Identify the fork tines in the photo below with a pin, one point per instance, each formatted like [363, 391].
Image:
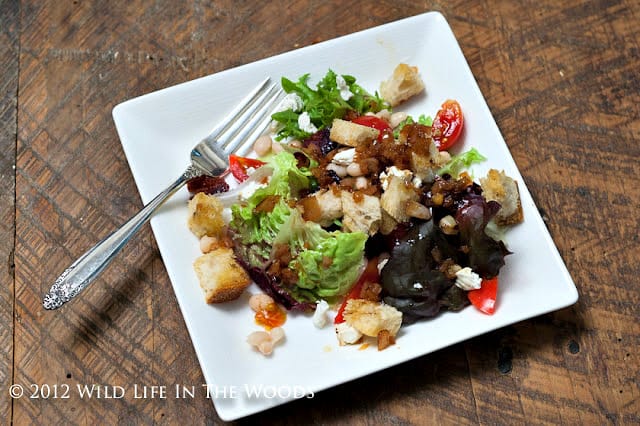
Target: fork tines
[248, 119]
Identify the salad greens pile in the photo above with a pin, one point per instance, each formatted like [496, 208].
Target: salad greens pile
[324, 103]
[298, 262]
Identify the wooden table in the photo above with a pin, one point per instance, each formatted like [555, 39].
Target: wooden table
[562, 80]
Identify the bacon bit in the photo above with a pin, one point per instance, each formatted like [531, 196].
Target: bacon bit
[207, 184]
[311, 209]
[350, 115]
[282, 253]
[288, 276]
[301, 160]
[385, 339]
[370, 291]
[358, 197]
[326, 261]
[274, 268]
[372, 190]
[369, 166]
[267, 205]
[449, 268]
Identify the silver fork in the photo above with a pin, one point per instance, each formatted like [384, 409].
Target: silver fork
[235, 133]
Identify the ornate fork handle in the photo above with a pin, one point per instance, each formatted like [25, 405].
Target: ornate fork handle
[84, 270]
[233, 133]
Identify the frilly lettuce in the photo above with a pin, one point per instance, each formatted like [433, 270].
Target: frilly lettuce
[327, 263]
[460, 162]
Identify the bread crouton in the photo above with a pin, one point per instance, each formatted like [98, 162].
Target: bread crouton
[497, 186]
[205, 215]
[323, 207]
[426, 166]
[362, 215]
[394, 199]
[404, 83]
[351, 134]
[369, 317]
[221, 277]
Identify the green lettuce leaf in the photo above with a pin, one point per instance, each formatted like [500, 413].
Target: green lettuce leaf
[460, 162]
[311, 246]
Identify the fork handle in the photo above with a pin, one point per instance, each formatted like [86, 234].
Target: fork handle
[84, 270]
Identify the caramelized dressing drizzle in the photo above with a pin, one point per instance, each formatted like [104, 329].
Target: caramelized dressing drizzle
[271, 316]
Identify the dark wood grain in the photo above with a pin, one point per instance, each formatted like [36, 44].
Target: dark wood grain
[562, 81]
[9, 47]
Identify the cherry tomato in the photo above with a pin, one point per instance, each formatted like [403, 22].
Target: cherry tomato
[239, 165]
[374, 122]
[369, 275]
[485, 297]
[447, 125]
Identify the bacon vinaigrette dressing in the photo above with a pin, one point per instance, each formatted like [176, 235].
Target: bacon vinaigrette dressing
[270, 316]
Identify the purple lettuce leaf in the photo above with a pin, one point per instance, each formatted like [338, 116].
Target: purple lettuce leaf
[485, 255]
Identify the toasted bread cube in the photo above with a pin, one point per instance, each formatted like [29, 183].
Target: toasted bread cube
[370, 318]
[394, 199]
[351, 134]
[205, 215]
[426, 166]
[221, 277]
[362, 215]
[497, 186]
[403, 84]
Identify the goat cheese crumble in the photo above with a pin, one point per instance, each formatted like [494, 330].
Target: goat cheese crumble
[305, 124]
[344, 158]
[345, 93]
[291, 101]
[319, 318]
[468, 280]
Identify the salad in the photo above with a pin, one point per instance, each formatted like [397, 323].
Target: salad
[355, 208]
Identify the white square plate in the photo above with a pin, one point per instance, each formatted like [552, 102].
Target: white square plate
[157, 132]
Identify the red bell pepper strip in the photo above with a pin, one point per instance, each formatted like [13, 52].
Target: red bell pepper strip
[369, 275]
[485, 297]
[238, 166]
